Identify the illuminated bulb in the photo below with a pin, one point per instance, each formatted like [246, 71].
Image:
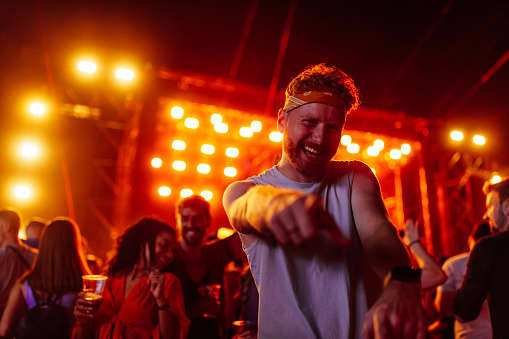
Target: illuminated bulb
[405, 149]
[346, 140]
[207, 149]
[353, 148]
[379, 144]
[37, 109]
[156, 162]
[179, 165]
[191, 123]
[495, 179]
[232, 152]
[22, 192]
[246, 132]
[164, 191]
[178, 145]
[124, 74]
[456, 135]
[275, 136]
[479, 140]
[87, 67]
[207, 195]
[203, 168]
[372, 151]
[29, 150]
[177, 112]
[230, 171]
[221, 128]
[216, 119]
[186, 192]
[395, 154]
[256, 126]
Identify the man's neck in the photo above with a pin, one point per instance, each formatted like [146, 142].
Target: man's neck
[10, 240]
[288, 170]
[192, 252]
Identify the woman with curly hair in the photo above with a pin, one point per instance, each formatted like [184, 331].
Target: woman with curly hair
[139, 300]
[56, 274]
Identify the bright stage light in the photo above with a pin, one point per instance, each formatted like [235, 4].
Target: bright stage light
[346, 140]
[372, 151]
[207, 195]
[164, 191]
[230, 171]
[124, 74]
[203, 168]
[379, 144]
[406, 149]
[87, 66]
[395, 154]
[29, 150]
[232, 152]
[479, 140]
[178, 145]
[207, 149]
[256, 126]
[156, 162]
[246, 132]
[177, 112]
[179, 165]
[495, 179]
[216, 118]
[186, 192]
[352, 148]
[191, 123]
[223, 233]
[23, 192]
[275, 136]
[37, 108]
[456, 135]
[221, 128]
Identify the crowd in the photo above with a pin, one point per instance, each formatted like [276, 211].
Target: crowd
[315, 255]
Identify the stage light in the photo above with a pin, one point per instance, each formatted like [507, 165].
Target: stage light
[406, 149]
[164, 191]
[221, 128]
[495, 179]
[186, 192]
[29, 150]
[191, 123]
[216, 119]
[346, 140]
[372, 151]
[207, 149]
[178, 145]
[230, 171]
[223, 233]
[232, 152]
[207, 195]
[23, 192]
[37, 109]
[275, 136]
[124, 74]
[479, 140]
[395, 154]
[87, 66]
[256, 126]
[179, 165]
[379, 144]
[246, 132]
[456, 135]
[177, 112]
[352, 148]
[156, 162]
[203, 168]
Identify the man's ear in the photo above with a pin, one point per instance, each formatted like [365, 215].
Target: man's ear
[282, 117]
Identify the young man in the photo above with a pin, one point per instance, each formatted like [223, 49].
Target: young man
[315, 229]
[198, 264]
[488, 266]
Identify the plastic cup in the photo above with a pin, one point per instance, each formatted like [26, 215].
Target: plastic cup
[212, 290]
[93, 288]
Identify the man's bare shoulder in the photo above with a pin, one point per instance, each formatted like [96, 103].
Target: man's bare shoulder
[235, 190]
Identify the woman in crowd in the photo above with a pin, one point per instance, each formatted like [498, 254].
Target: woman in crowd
[139, 300]
[55, 275]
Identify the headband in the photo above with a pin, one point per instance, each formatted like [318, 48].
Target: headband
[328, 98]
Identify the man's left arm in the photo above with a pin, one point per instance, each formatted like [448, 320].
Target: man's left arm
[398, 312]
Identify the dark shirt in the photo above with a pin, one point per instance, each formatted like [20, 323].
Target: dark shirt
[487, 277]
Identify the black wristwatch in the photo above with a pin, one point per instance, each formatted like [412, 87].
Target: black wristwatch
[405, 274]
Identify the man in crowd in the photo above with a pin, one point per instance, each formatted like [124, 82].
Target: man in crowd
[198, 264]
[34, 232]
[315, 231]
[487, 273]
[455, 268]
[15, 257]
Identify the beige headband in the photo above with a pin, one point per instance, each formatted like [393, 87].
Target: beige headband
[327, 98]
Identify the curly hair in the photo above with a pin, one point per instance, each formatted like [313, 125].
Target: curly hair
[319, 77]
[132, 243]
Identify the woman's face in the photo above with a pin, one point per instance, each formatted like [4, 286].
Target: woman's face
[163, 250]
